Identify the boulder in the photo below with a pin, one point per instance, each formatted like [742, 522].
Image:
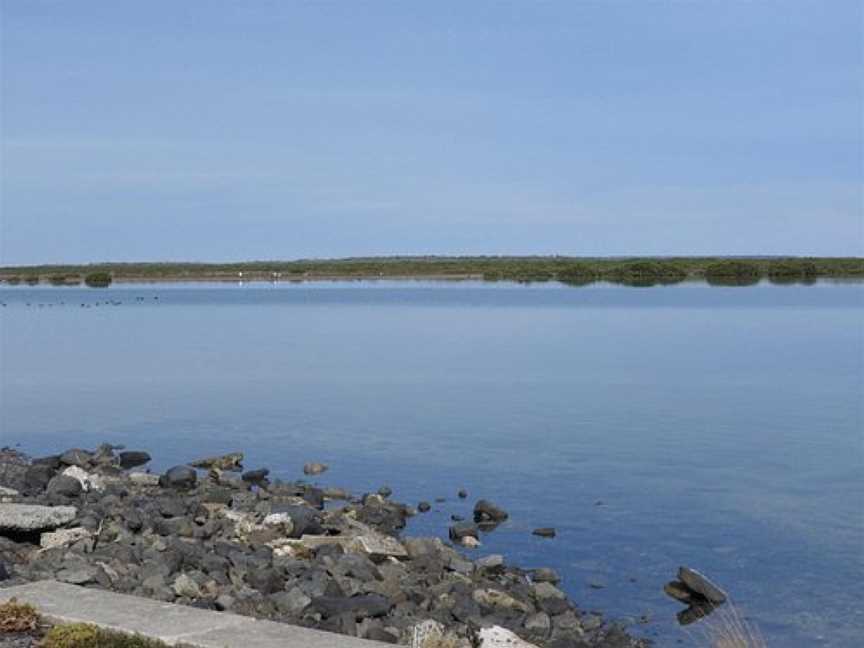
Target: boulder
[179, 477]
[37, 476]
[64, 485]
[498, 637]
[491, 598]
[545, 575]
[186, 586]
[87, 480]
[462, 530]
[133, 459]
[486, 511]
[256, 476]
[363, 606]
[544, 532]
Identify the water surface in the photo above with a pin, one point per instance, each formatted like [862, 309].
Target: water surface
[715, 427]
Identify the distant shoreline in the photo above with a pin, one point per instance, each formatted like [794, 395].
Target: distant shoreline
[639, 271]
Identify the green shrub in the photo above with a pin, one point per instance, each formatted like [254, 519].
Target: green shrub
[790, 271]
[577, 274]
[733, 273]
[85, 635]
[98, 279]
[647, 273]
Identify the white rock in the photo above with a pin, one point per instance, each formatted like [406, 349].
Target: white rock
[469, 541]
[498, 637]
[378, 546]
[144, 479]
[8, 492]
[282, 521]
[88, 481]
[63, 537]
[426, 633]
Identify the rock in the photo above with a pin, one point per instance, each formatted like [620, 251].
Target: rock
[37, 476]
[498, 637]
[363, 606]
[547, 590]
[545, 575]
[256, 476]
[77, 457]
[65, 486]
[424, 507]
[486, 511]
[470, 542]
[462, 530]
[701, 584]
[385, 491]
[679, 591]
[491, 598]
[26, 518]
[266, 580]
[381, 635]
[292, 602]
[63, 537]
[281, 521]
[491, 563]
[539, 625]
[233, 462]
[8, 492]
[462, 493]
[144, 479]
[77, 575]
[4, 572]
[314, 468]
[544, 532]
[378, 546]
[186, 586]
[133, 459]
[88, 481]
[224, 602]
[13, 474]
[179, 477]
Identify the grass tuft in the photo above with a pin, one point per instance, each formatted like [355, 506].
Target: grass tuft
[85, 635]
[18, 617]
[726, 627]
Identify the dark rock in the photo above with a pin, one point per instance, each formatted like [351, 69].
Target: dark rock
[64, 485]
[366, 605]
[133, 459]
[13, 475]
[423, 507]
[486, 511]
[256, 476]
[544, 532]
[37, 476]
[680, 592]
[179, 477]
[77, 457]
[4, 572]
[382, 635]
[456, 518]
[545, 575]
[52, 461]
[385, 491]
[701, 584]
[306, 520]
[462, 493]
[266, 581]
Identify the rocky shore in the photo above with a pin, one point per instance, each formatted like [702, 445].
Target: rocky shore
[210, 535]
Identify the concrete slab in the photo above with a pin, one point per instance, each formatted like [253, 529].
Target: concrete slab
[176, 625]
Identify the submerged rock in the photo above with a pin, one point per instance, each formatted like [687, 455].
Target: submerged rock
[233, 461]
[314, 468]
[133, 459]
[544, 532]
[486, 511]
[701, 584]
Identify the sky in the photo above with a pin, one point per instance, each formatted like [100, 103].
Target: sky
[230, 130]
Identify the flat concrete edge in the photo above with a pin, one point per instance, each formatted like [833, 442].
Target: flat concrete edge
[176, 625]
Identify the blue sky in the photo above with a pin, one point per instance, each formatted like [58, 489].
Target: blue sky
[216, 130]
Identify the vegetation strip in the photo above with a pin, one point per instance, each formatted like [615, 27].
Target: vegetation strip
[638, 271]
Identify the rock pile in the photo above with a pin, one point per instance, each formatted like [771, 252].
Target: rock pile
[269, 549]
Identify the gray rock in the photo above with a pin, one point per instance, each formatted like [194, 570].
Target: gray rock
[37, 477]
[545, 575]
[461, 530]
[544, 532]
[26, 518]
[179, 477]
[292, 602]
[233, 461]
[186, 586]
[255, 476]
[77, 575]
[539, 625]
[367, 605]
[701, 584]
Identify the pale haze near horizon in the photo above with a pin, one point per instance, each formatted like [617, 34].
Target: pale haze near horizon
[275, 130]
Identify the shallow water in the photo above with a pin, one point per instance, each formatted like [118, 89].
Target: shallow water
[717, 427]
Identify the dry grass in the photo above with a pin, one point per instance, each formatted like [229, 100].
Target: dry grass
[18, 617]
[726, 627]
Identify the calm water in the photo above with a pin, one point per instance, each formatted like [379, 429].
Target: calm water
[720, 427]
